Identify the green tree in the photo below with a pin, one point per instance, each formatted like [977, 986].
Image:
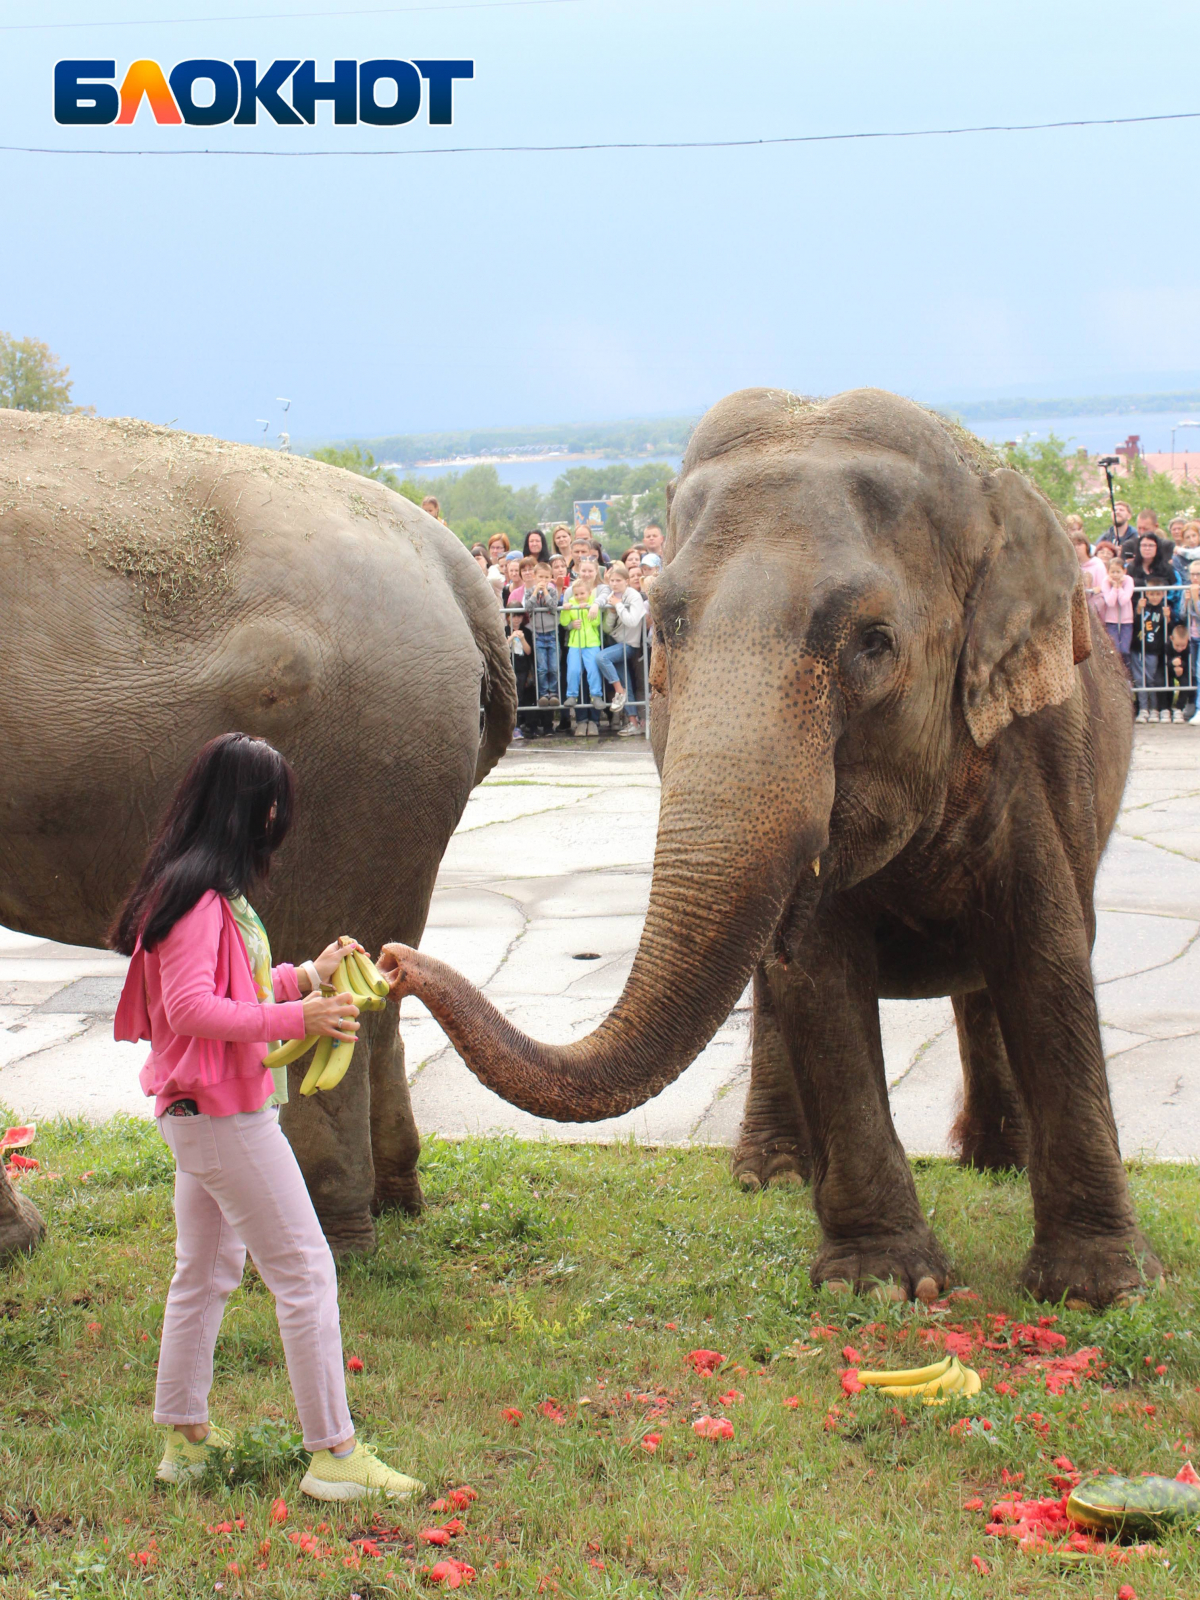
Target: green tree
[593, 483]
[1059, 474]
[1062, 475]
[476, 500]
[1143, 490]
[355, 459]
[32, 377]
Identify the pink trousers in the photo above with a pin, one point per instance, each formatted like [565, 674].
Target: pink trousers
[238, 1187]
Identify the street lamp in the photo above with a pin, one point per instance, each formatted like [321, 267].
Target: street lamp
[1184, 424]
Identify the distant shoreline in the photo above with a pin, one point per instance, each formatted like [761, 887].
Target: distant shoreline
[450, 463]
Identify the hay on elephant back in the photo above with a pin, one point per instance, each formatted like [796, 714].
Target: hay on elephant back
[975, 453]
[140, 496]
[185, 567]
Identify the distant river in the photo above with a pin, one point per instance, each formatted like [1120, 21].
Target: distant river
[1097, 435]
[520, 474]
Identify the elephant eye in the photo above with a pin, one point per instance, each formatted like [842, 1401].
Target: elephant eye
[876, 642]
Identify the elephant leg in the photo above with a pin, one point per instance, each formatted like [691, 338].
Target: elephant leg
[991, 1131]
[330, 1133]
[774, 1139]
[395, 1143]
[1034, 948]
[21, 1225]
[875, 1234]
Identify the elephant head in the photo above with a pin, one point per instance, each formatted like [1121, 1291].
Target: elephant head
[853, 592]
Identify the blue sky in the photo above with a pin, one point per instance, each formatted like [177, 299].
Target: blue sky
[447, 291]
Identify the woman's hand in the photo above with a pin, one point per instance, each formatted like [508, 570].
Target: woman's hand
[330, 958]
[333, 1015]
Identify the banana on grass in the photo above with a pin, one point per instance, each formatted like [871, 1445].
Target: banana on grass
[934, 1384]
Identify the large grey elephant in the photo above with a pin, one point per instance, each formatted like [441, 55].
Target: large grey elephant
[157, 588]
[932, 738]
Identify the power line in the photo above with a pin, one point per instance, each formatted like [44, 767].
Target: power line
[672, 144]
[279, 16]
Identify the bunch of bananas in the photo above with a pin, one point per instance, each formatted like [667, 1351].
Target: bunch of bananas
[358, 975]
[935, 1385]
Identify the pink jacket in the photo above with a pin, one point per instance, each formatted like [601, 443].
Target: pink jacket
[194, 998]
[1118, 599]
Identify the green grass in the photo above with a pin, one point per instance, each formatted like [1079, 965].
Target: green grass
[544, 1272]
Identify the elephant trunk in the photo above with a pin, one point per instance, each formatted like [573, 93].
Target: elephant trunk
[722, 876]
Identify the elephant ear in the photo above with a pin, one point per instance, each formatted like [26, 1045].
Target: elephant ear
[1028, 624]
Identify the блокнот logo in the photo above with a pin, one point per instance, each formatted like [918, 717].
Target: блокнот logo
[83, 94]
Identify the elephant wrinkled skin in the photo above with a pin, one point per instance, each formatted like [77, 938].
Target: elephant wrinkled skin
[930, 740]
[159, 588]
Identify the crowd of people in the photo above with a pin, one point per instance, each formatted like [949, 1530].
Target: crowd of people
[1145, 587]
[580, 630]
[578, 627]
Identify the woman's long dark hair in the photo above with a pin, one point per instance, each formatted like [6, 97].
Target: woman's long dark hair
[1160, 571]
[218, 833]
[545, 555]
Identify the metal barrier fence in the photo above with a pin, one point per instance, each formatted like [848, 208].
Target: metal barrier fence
[548, 673]
[1160, 690]
[1163, 679]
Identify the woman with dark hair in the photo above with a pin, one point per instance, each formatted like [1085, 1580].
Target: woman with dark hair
[535, 545]
[480, 556]
[202, 990]
[1151, 568]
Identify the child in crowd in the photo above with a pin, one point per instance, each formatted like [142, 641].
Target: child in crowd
[1190, 611]
[520, 639]
[1182, 686]
[581, 618]
[1116, 588]
[1093, 570]
[1148, 651]
[541, 601]
[623, 619]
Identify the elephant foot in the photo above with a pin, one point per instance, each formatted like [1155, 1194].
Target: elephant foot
[1092, 1272]
[349, 1234]
[399, 1193]
[755, 1165]
[910, 1266]
[21, 1225]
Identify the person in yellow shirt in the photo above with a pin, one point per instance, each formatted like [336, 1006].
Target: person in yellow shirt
[581, 618]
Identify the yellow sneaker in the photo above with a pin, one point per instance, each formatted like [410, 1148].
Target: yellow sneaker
[184, 1461]
[354, 1476]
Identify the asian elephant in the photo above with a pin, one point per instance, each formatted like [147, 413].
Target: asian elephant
[157, 588]
[932, 738]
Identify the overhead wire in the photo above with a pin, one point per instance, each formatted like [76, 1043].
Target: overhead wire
[629, 144]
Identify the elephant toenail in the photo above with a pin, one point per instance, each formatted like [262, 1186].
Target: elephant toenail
[889, 1291]
[927, 1289]
[839, 1286]
[1077, 1305]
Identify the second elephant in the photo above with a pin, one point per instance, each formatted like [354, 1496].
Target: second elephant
[931, 745]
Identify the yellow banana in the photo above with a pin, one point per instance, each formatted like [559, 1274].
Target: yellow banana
[374, 979]
[905, 1380]
[337, 1066]
[320, 1061]
[289, 1050]
[950, 1382]
[364, 996]
[974, 1382]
